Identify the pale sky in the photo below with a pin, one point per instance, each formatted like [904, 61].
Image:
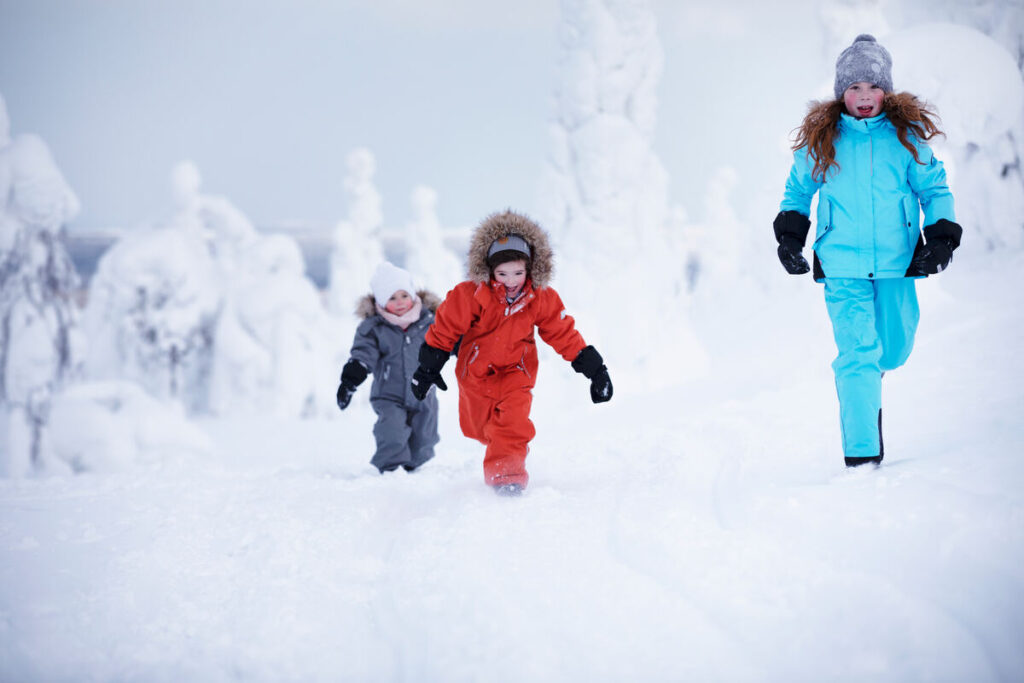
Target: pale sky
[268, 97]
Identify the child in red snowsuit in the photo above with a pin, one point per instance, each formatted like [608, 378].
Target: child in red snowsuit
[494, 314]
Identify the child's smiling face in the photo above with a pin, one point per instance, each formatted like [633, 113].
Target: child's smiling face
[512, 275]
[863, 100]
[399, 303]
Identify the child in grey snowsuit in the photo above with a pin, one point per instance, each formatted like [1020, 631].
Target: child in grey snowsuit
[387, 343]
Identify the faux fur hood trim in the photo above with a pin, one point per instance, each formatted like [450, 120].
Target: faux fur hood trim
[510, 223]
[367, 307]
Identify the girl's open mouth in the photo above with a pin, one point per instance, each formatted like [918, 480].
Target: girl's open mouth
[864, 110]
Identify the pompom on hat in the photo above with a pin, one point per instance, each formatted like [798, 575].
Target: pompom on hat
[865, 60]
[387, 280]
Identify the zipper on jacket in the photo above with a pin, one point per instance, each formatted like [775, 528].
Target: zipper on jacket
[522, 365]
[519, 305]
[472, 357]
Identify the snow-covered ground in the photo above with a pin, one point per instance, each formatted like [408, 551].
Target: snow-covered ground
[705, 531]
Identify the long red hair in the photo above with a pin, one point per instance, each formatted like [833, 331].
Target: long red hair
[820, 127]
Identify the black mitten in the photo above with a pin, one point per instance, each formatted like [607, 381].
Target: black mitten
[589, 363]
[352, 375]
[429, 372]
[344, 396]
[934, 253]
[791, 229]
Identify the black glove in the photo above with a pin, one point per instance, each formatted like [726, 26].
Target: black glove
[589, 363]
[791, 229]
[934, 255]
[429, 371]
[352, 375]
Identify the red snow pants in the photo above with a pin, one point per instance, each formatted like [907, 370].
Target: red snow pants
[495, 410]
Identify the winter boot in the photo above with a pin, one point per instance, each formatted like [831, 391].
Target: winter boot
[857, 462]
[509, 490]
[877, 459]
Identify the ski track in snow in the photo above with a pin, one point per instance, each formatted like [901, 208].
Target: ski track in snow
[703, 531]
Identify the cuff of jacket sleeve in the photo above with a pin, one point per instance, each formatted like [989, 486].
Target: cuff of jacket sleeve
[792, 224]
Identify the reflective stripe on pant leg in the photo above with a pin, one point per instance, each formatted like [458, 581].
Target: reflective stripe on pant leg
[896, 318]
[851, 306]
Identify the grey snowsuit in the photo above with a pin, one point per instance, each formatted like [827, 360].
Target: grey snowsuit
[406, 429]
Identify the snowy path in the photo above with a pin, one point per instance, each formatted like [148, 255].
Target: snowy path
[704, 532]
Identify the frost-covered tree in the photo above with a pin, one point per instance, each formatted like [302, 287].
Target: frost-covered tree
[989, 149]
[225, 229]
[1001, 20]
[606, 200]
[38, 341]
[980, 116]
[427, 257]
[357, 249]
[152, 309]
[276, 349]
[272, 343]
[716, 253]
[207, 311]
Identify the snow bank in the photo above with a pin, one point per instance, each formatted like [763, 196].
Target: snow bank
[115, 426]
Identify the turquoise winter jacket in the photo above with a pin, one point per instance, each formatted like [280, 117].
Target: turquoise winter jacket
[869, 219]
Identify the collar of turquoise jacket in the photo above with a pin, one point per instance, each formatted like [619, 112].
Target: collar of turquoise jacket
[854, 124]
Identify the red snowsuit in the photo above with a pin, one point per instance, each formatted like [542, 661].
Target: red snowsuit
[497, 365]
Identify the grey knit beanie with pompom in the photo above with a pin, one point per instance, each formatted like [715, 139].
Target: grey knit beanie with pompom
[865, 60]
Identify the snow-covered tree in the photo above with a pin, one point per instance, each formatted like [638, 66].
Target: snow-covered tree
[207, 311]
[1001, 20]
[152, 309]
[716, 253]
[980, 116]
[276, 349]
[357, 248]
[427, 257]
[38, 340]
[607, 205]
[989, 163]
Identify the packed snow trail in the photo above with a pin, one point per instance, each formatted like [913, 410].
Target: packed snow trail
[705, 531]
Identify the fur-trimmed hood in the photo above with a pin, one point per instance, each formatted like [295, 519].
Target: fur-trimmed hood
[510, 223]
[367, 307]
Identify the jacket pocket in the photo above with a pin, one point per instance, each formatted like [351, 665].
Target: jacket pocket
[522, 366]
[469, 361]
[380, 382]
[910, 223]
[825, 217]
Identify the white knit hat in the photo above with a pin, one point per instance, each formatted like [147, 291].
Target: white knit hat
[387, 280]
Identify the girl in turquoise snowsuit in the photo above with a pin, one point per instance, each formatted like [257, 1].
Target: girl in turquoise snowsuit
[865, 155]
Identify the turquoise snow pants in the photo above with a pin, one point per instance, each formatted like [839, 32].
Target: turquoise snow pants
[874, 322]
